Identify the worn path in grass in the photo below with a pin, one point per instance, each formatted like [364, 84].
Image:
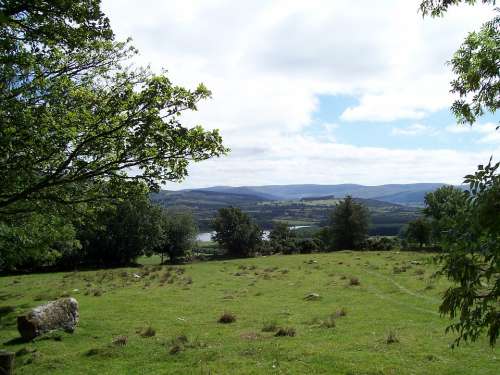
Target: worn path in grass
[396, 293]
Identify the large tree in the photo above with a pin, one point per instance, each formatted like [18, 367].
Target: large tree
[121, 232]
[472, 242]
[76, 115]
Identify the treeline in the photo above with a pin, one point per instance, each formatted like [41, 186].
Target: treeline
[113, 234]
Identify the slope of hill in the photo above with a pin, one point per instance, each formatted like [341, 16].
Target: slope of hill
[405, 194]
[344, 332]
[386, 218]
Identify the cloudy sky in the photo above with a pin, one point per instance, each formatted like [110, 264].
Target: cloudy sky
[327, 92]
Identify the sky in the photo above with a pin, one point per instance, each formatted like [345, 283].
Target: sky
[323, 92]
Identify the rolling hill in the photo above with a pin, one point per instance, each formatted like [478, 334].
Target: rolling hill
[403, 194]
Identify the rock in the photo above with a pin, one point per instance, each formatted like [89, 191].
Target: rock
[312, 297]
[59, 314]
[7, 362]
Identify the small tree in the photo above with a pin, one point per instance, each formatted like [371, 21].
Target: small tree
[348, 225]
[236, 232]
[282, 239]
[179, 236]
[418, 231]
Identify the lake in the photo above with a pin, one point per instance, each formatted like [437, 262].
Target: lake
[207, 236]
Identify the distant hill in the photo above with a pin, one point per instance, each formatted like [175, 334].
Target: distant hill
[403, 194]
[387, 218]
[200, 197]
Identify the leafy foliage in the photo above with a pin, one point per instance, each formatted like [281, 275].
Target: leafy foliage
[348, 225]
[472, 259]
[75, 114]
[179, 234]
[437, 8]
[121, 232]
[236, 232]
[282, 238]
[441, 206]
[477, 65]
[472, 237]
[419, 231]
[30, 241]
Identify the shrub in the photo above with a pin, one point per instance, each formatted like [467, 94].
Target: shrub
[379, 243]
[307, 246]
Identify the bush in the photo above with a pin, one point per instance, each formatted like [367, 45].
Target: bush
[378, 243]
[307, 246]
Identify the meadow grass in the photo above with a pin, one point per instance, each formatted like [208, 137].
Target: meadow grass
[164, 320]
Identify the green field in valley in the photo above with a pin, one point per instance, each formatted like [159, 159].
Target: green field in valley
[396, 296]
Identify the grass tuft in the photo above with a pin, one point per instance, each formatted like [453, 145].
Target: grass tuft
[147, 332]
[392, 338]
[120, 341]
[285, 331]
[354, 281]
[227, 318]
[270, 326]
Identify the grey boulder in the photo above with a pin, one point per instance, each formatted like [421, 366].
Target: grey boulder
[54, 315]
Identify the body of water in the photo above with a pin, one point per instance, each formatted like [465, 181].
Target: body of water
[207, 236]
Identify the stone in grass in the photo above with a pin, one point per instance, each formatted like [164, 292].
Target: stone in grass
[54, 315]
[312, 297]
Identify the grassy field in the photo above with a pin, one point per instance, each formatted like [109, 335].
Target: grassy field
[396, 297]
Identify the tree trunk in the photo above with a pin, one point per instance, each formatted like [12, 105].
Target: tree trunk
[6, 363]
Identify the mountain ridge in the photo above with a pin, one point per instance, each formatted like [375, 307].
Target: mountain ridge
[404, 194]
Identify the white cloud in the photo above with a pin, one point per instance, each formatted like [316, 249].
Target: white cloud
[267, 62]
[413, 129]
[485, 133]
[299, 159]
